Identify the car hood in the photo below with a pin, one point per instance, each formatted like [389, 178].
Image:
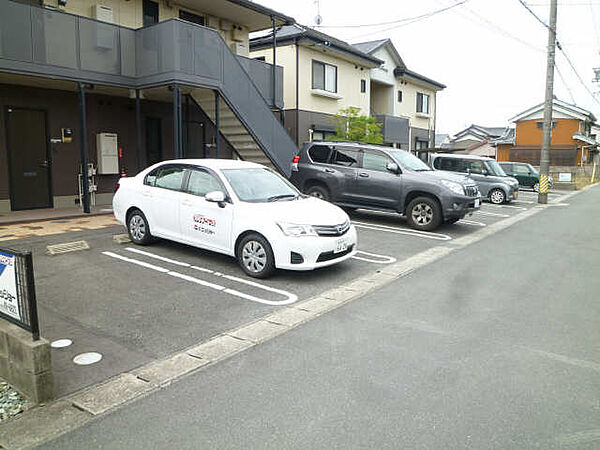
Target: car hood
[309, 211]
[443, 175]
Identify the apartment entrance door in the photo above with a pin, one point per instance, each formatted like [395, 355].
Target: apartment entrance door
[28, 159]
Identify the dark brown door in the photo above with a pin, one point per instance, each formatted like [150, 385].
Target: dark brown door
[29, 165]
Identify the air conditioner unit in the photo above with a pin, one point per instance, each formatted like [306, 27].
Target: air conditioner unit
[239, 48]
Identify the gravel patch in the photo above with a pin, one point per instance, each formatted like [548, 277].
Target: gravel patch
[11, 402]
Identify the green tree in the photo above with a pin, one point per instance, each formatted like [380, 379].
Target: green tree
[351, 125]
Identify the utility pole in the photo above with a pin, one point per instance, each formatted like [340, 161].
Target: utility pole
[547, 133]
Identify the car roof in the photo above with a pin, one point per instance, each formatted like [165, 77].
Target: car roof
[213, 163]
[450, 155]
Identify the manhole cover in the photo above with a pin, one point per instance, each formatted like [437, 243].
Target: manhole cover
[85, 359]
[61, 343]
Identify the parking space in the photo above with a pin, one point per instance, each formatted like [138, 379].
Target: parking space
[133, 304]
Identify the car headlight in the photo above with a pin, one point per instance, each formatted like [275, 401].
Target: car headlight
[295, 229]
[457, 188]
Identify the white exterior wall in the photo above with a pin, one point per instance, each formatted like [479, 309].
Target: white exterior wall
[128, 13]
[348, 80]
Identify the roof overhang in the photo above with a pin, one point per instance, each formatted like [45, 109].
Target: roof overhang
[243, 12]
[585, 139]
[400, 72]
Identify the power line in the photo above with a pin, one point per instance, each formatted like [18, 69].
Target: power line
[522, 2]
[399, 21]
[564, 82]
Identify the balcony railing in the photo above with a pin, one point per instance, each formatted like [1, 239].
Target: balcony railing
[394, 129]
[44, 42]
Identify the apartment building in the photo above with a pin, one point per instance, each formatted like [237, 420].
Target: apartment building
[404, 101]
[322, 75]
[90, 90]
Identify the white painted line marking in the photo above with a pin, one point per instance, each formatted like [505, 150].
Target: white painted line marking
[135, 261]
[523, 201]
[485, 213]
[416, 233]
[85, 359]
[507, 206]
[558, 204]
[377, 259]
[290, 298]
[472, 222]
[61, 343]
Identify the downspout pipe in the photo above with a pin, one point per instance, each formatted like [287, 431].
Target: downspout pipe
[297, 94]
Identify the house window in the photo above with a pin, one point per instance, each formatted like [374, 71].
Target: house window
[149, 12]
[363, 86]
[324, 76]
[421, 144]
[190, 17]
[540, 125]
[422, 103]
[322, 135]
[399, 96]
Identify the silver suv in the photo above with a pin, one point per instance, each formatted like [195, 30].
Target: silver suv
[493, 182]
[367, 176]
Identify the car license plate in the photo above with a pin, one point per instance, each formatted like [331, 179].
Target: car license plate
[341, 245]
[477, 203]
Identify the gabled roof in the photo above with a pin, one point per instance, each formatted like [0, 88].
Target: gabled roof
[557, 106]
[371, 47]
[480, 132]
[401, 70]
[508, 137]
[292, 33]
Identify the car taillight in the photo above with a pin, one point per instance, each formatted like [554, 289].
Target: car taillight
[117, 186]
[295, 163]
[296, 159]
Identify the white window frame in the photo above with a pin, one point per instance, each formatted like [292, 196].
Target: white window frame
[326, 85]
[424, 103]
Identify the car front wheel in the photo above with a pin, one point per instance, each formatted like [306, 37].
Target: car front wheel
[138, 228]
[424, 213]
[497, 196]
[255, 256]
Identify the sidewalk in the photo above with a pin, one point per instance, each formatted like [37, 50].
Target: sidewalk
[37, 215]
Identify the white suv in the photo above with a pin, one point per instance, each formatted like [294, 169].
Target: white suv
[238, 208]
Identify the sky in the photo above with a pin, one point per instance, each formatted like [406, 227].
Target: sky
[491, 54]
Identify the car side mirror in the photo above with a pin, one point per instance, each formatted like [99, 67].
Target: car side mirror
[392, 167]
[216, 197]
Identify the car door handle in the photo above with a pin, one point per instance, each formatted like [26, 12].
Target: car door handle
[363, 174]
[186, 203]
[329, 170]
[146, 194]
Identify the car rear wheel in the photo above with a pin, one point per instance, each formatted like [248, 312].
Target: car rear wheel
[497, 196]
[536, 187]
[318, 192]
[424, 213]
[138, 228]
[255, 256]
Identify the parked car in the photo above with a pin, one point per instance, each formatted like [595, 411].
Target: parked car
[525, 174]
[493, 183]
[238, 208]
[379, 178]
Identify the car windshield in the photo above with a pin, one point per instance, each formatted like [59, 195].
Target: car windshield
[409, 161]
[532, 169]
[260, 185]
[495, 169]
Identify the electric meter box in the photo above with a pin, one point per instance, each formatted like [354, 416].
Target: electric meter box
[108, 153]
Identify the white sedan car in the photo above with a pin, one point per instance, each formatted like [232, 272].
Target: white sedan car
[238, 208]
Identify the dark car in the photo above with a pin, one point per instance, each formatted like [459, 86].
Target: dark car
[525, 173]
[354, 175]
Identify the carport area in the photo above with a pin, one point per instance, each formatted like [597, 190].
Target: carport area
[135, 304]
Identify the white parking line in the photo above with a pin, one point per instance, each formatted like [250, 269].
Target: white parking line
[290, 298]
[523, 201]
[485, 213]
[507, 206]
[415, 233]
[377, 259]
[472, 222]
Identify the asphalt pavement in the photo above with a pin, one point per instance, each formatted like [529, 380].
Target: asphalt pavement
[493, 346]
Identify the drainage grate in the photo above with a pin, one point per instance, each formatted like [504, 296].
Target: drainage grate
[67, 247]
[121, 238]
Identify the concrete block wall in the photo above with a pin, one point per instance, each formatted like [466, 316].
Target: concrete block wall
[26, 364]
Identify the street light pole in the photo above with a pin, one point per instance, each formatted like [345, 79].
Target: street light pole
[547, 133]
